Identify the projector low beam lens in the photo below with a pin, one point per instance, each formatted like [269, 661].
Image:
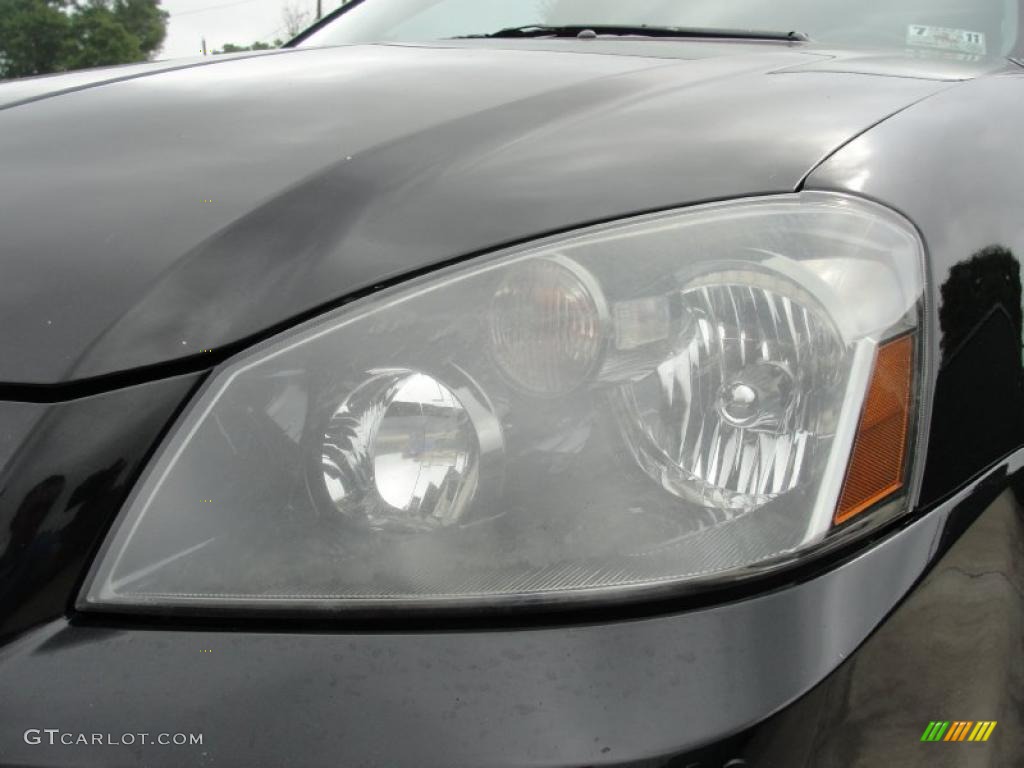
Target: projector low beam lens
[422, 443]
[401, 453]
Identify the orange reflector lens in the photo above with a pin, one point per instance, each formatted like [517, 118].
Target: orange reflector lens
[879, 451]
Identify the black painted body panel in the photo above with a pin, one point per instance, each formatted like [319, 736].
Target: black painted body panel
[63, 485]
[149, 219]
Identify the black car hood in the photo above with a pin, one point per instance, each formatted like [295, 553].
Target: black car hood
[151, 213]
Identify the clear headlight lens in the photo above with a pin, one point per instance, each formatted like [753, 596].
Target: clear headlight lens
[664, 401]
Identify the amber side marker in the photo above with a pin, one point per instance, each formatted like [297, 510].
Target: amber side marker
[879, 451]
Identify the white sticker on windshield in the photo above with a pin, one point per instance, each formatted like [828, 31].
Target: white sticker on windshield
[946, 39]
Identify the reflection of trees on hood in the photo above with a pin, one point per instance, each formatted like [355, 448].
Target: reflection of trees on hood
[978, 407]
[38, 37]
[987, 282]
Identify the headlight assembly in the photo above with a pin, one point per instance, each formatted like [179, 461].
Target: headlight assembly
[661, 403]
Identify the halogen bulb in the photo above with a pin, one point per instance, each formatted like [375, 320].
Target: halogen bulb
[547, 326]
[739, 404]
[401, 453]
[759, 398]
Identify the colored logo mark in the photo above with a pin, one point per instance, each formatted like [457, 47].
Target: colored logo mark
[958, 730]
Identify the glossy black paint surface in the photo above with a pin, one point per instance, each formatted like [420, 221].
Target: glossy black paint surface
[149, 219]
[62, 486]
[28, 89]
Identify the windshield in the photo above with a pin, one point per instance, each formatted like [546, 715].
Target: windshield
[964, 28]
